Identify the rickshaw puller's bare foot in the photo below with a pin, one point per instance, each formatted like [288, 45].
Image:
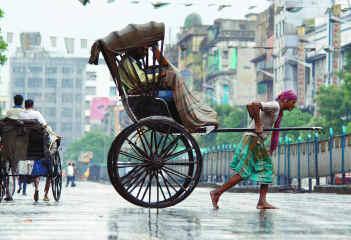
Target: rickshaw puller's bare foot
[265, 205]
[214, 198]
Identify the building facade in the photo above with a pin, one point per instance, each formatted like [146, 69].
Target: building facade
[55, 84]
[227, 53]
[288, 69]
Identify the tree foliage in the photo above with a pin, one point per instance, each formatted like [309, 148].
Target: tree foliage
[3, 45]
[94, 141]
[229, 117]
[334, 102]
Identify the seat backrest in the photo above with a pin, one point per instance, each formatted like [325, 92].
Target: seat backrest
[24, 139]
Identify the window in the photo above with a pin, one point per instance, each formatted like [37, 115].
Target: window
[67, 127]
[78, 97]
[35, 96]
[91, 76]
[225, 94]
[66, 112]
[113, 91]
[83, 43]
[19, 82]
[67, 70]
[67, 98]
[87, 104]
[51, 83]
[50, 112]
[35, 69]
[53, 42]
[90, 90]
[9, 38]
[80, 70]
[51, 70]
[18, 69]
[50, 97]
[35, 82]
[69, 44]
[78, 82]
[67, 83]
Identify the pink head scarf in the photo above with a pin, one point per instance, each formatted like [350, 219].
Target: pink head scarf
[287, 95]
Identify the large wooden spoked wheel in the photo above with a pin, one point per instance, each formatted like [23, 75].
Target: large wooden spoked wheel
[154, 163]
[56, 176]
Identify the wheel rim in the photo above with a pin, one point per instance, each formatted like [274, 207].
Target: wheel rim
[154, 169]
[56, 181]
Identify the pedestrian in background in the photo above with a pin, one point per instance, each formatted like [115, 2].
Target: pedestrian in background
[74, 175]
[70, 174]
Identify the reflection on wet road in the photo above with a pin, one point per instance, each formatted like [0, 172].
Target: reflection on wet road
[95, 211]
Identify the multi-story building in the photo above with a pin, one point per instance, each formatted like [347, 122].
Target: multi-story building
[55, 84]
[227, 52]
[189, 55]
[288, 69]
[98, 84]
[329, 49]
[263, 60]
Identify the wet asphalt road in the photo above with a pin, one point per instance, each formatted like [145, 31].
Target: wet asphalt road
[95, 211]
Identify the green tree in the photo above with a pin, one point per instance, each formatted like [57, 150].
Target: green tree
[94, 141]
[229, 117]
[334, 102]
[296, 118]
[3, 45]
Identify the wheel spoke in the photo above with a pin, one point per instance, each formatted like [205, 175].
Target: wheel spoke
[135, 183]
[135, 178]
[165, 140]
[169, 147]
[166, 158]
[148, 186]
[132, 156]
[130, 173]
[127, 164]
[159, 186]
[170, 184]
[174, 172]
[180, 163]
[174, 180]
[131, 178]
[141, 137]
[142, 184]
[139, 150]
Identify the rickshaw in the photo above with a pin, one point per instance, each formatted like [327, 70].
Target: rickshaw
[27, 140]
[155, 162]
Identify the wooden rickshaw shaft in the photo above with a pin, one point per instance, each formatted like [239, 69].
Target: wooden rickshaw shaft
[265, 130]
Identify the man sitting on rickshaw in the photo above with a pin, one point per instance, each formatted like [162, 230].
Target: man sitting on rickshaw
[40, 167]
[15, 142]
[192, 112]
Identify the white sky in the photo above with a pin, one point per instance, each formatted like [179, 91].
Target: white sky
[70, 18]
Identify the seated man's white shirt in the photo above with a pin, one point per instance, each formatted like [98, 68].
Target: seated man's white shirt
[14, 113]
[32, 114]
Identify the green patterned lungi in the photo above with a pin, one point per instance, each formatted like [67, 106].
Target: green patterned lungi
[252, 161]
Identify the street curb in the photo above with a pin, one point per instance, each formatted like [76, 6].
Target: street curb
[338, 189]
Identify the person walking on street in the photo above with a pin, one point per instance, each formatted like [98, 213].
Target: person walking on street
[251, 160]
[70, 174]
[74, 175]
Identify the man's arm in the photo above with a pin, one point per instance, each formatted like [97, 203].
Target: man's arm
[254, 109]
